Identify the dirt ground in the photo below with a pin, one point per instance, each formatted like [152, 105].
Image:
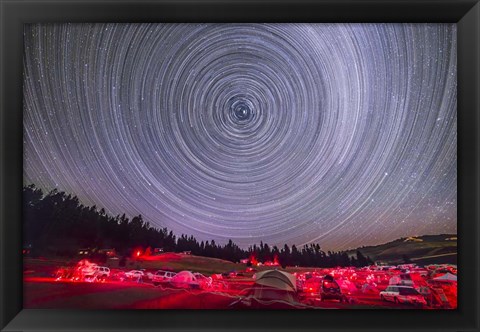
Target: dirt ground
[46, 293]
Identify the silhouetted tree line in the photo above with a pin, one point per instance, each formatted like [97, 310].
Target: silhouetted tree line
[58, 224]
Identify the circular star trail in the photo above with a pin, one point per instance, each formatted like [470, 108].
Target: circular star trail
[339, 134]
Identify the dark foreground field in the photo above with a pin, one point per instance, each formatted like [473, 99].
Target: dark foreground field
[46, 293]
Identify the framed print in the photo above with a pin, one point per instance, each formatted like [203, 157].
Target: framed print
[215, 165]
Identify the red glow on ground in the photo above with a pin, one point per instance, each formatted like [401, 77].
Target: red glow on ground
[62, 285]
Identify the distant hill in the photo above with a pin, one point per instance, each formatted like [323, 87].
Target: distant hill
[426, 249]
[179, 262]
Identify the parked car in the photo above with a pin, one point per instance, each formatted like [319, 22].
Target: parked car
[218, 285]
[118, 276]
[403, 294]
[162, 276]
[330, 290]
[96, 273]
[203, 281]
[230, 274]
[234, 274]
[311, 285]
[135, 274]
[316, 288]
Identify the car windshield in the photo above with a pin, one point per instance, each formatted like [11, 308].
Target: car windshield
[408, 291]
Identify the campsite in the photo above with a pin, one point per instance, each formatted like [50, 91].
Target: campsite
[173, 281]
[239, 166]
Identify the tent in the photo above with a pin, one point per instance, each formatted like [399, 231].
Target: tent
[272, 289]
[276, 279]
[447, 277]
[185, 279]
[346, 286]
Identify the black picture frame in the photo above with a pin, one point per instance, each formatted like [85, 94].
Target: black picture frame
[466, 13]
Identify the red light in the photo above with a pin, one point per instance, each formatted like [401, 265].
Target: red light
[138, 253]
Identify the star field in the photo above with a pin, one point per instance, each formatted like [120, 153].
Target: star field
[341, 134]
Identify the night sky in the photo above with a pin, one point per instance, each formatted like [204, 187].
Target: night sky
[339, 134]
